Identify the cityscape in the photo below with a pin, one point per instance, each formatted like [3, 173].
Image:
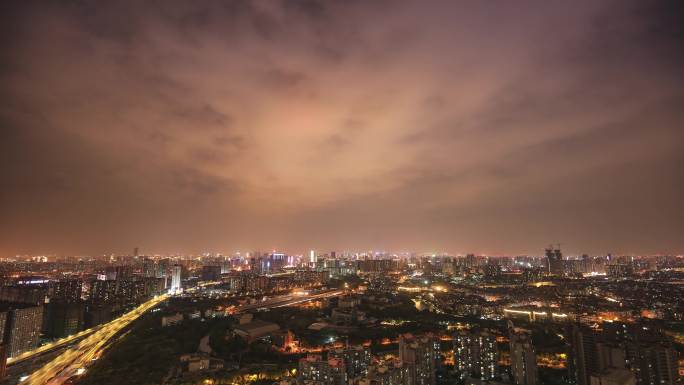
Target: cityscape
[355, 192]
[344, 318]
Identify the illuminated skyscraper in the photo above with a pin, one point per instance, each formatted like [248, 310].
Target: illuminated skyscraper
[21, 327]
[175, 279]
[476, 354]
[314, 369]
[356, 359]
[419, 355]
[523, 357]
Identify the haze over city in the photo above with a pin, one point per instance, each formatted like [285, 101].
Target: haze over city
[355, 192]
[481, 127]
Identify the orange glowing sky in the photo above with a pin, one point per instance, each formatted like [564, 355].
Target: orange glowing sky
[491, 127]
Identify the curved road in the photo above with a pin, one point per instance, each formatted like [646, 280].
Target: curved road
[76, 358]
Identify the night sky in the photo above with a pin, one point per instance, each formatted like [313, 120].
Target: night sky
[477, 126]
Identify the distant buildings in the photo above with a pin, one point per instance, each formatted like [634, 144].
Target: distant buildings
[620, 270]
[249, 282]
[211, 273]
[555, 260]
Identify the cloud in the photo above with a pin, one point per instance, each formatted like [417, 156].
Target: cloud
[349, 124]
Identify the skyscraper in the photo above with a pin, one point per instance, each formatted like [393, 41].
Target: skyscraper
[175, 279]
[523, 357]
[555, 259]
[68, 290]
[476, 354]
[23, 323]
[584, 356]
[149, 268]
[420, 356]
[356, 359]
[654, 363]
[64, 318]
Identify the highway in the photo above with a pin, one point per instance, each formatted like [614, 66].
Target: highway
[287, 300]
[50, 346]
[74, 360]
[77, 358]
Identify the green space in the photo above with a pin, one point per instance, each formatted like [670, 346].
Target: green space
[147, 353]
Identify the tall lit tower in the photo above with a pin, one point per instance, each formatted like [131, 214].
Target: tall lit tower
[175, 279]
[523, 356]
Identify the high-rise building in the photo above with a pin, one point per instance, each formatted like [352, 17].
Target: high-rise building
[64, 318]
[27, 293]
[555, 260]
[584, 358]
[313, 368]
[273, 263]
[102, 291]
[523, 357]
[619, 270]
[211, 273]
[163, 268]
[476, 354]
[356, 359]
[175, 279]
[67, 290]
[596, 357]
[149, 268]
[3, 360]
[471, 260]
[23, 323]
[600, 358]
[419, 355]
[654, 363]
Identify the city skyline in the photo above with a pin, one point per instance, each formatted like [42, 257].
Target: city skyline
[346, 253]
[486, 128]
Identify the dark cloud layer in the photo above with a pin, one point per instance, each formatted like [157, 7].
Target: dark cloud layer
[490, 127]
